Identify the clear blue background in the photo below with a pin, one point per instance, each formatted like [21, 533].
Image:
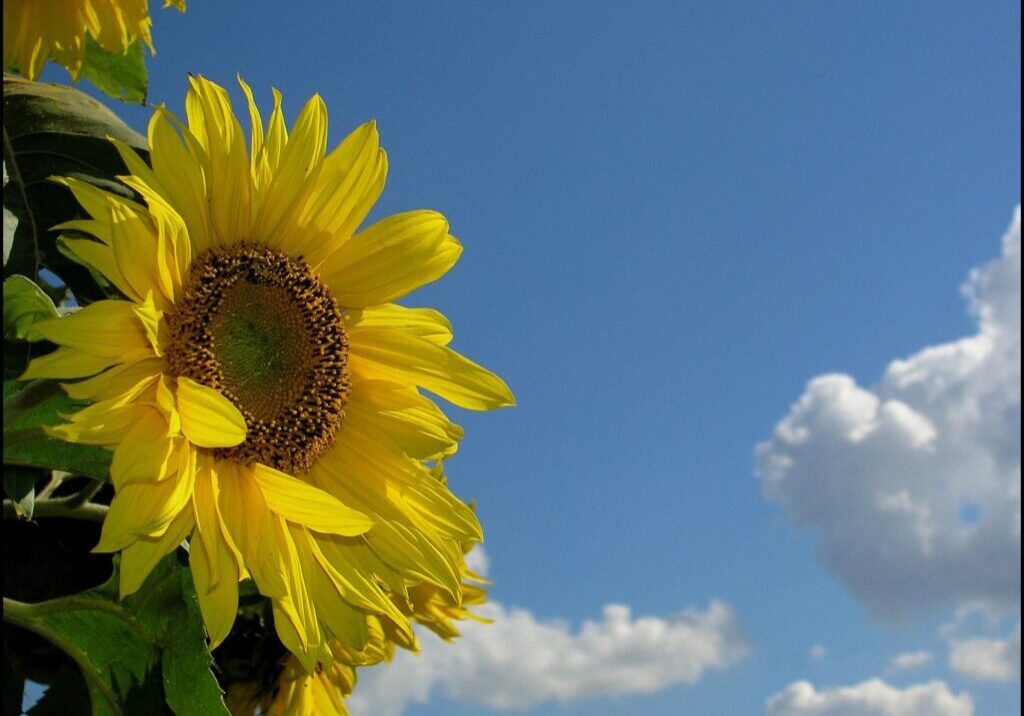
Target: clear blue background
[674, 215]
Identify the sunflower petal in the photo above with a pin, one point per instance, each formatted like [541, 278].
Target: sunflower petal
[247, 522]
[146, 452]
[349, 183]
[139, 558]
[68, 363]
[94, 254]
[104, 328]
[354, 584]
[341, 618]
[229, 190]
[218, 599]
[391, 258]
[297, 605]
[306, 505]
[402, 358]
[147, 508]
[116, 381]
[208, 419]
[299, 160]
[425, 323]
[412, 421]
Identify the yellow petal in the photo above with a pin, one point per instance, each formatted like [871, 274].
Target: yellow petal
[104, 328]
[255, 125]
[402, 358]
[277, 134]
[179, 174]
[416, 553]
[218, 599]
[353, 583]
[341, 618]
[414, 494]
[303, 504]
[115, 381]
[140, 251]
[297, 605]
[147, 508]
[299, 160]
[139, 558]
[208, 419]
[94, 254]
[417, 556]
[229, 191]
[68, 363]
[290, 636]
[412, 421]
[391, 258]
[247, 522]
[103, 423]
[137, 250]
[350, 180]
[147, 452]
[425, 323]
[173, 251]
[97, 202]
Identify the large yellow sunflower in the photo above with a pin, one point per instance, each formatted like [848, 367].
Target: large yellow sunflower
[259, 389]
[36, 30]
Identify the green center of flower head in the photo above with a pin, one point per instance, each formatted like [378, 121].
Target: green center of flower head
[259, 327]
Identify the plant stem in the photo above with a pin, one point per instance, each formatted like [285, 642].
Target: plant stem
[65, 507]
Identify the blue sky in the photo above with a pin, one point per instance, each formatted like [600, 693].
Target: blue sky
[675, 215]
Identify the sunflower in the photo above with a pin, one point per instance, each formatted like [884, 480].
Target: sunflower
[35, 30]
[323, 693]
[258, 387]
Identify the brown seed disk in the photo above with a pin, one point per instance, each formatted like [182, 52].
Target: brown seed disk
[260, 328]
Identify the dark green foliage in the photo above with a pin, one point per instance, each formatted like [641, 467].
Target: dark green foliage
[28, 409]
[145, 654]
[53, 130]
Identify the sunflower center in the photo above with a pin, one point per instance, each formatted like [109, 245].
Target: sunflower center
[260, 328]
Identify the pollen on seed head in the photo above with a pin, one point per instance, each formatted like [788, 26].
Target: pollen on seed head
[259, 327]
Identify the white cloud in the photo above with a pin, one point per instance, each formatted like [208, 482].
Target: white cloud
[987, 659]
[909, 660]
[915, 483]
[518, 661]
[870, 698]
[818, 652]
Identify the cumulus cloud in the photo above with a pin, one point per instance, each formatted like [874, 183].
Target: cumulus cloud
[909, 660]
[519, 661]
[914, 483]
[987, 659]
[870, 698]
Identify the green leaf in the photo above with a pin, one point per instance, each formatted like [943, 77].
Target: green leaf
[54, 130]
[28, 408]
[121, 75]
[190, 685]
[24, 304]
[20, 486]
[101, 636]
[134, 654]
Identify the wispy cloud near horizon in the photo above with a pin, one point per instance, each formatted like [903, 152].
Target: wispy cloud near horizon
[520, 661]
